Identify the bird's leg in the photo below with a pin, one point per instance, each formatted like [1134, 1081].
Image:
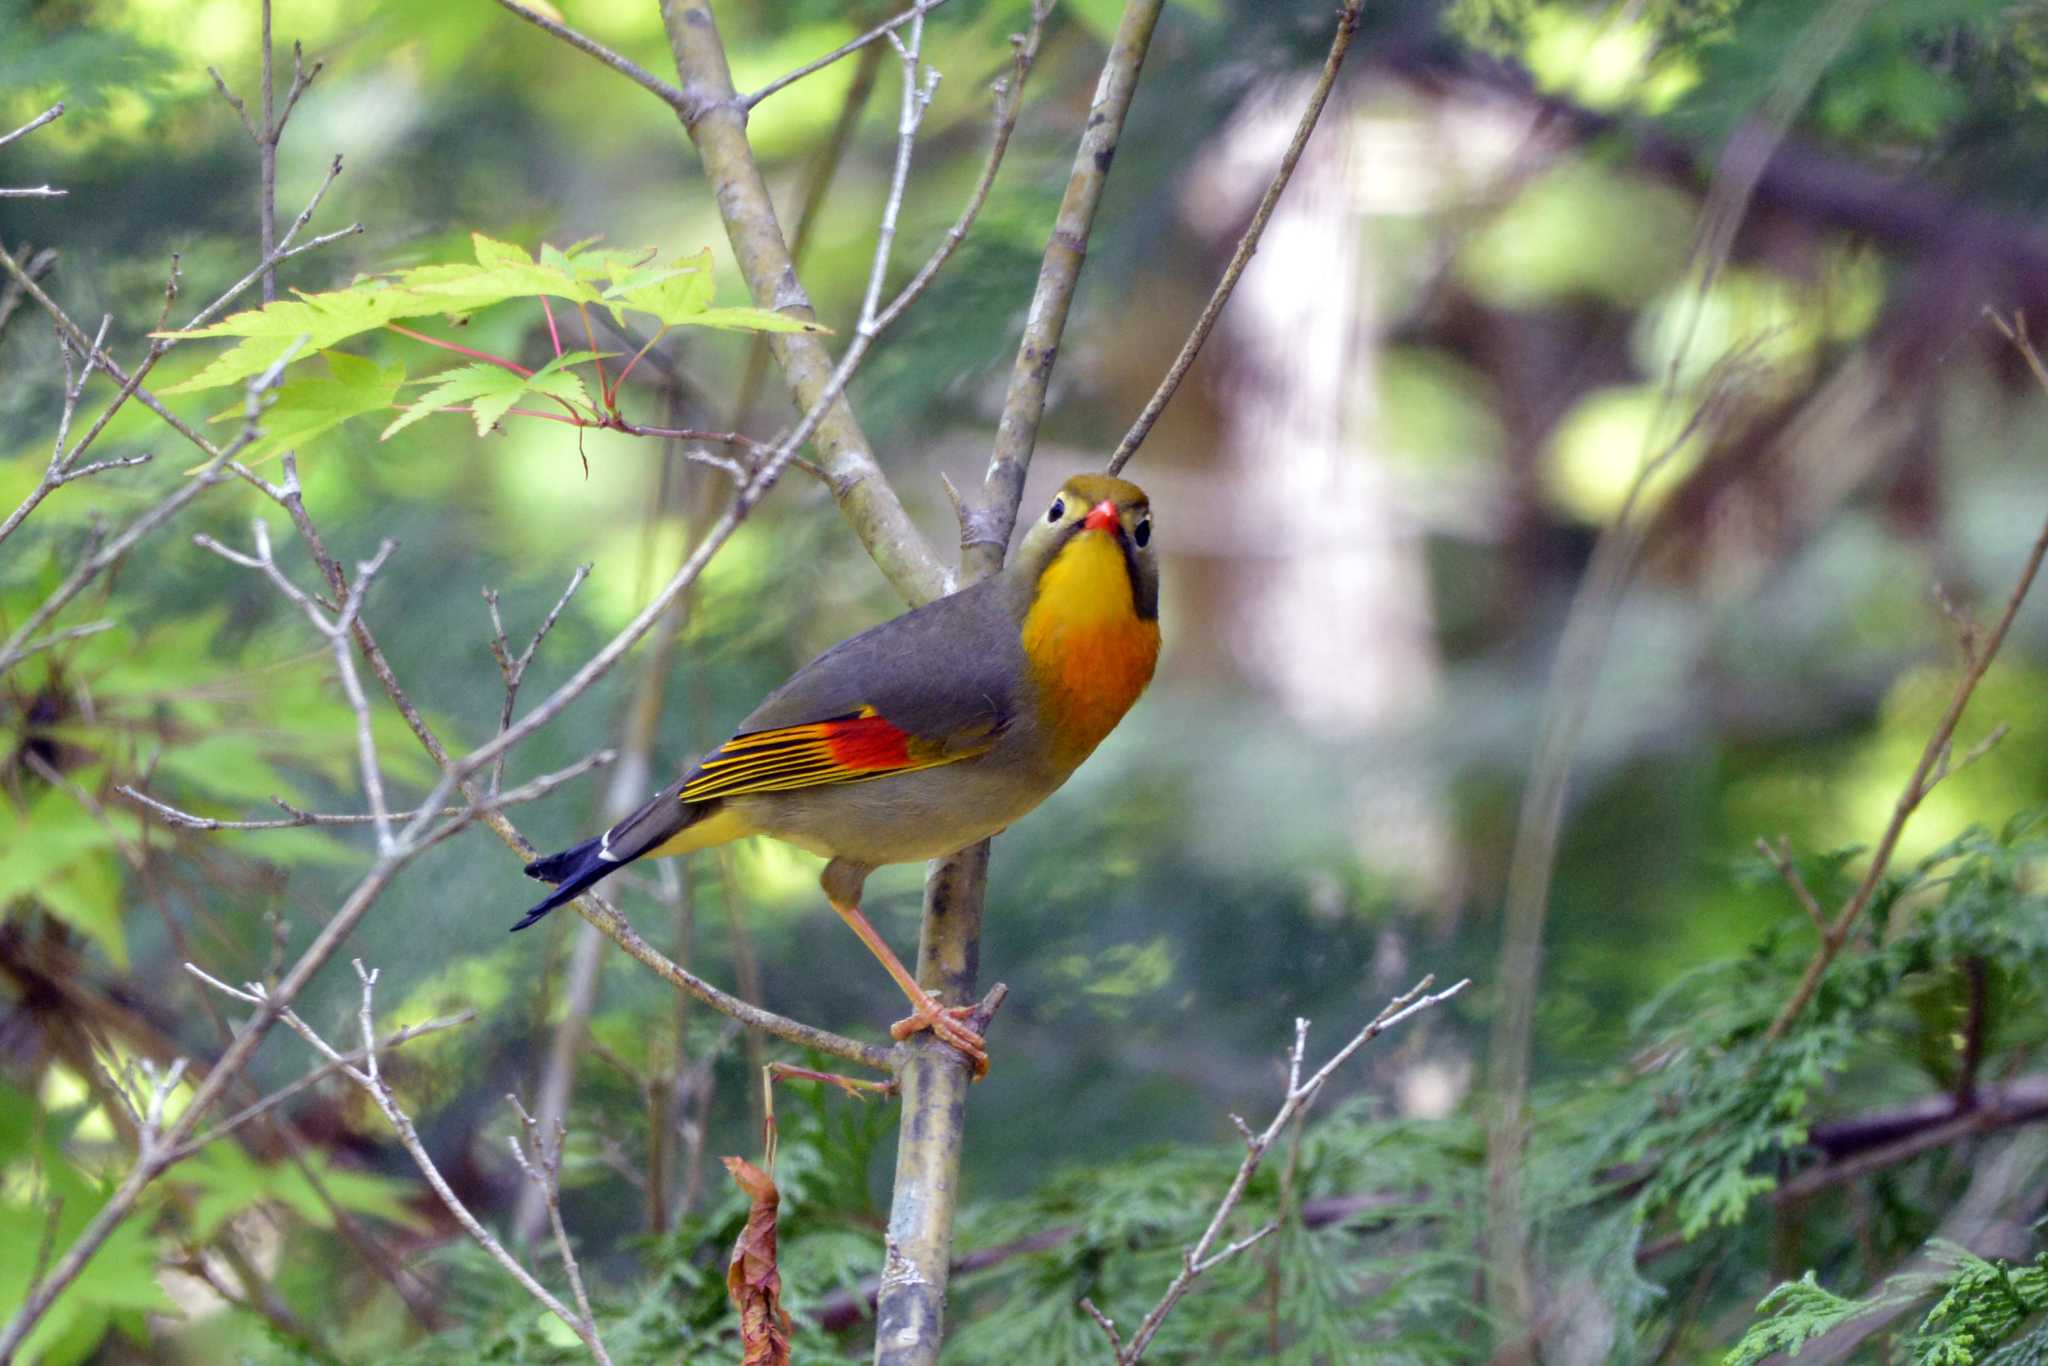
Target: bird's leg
[942, 1020]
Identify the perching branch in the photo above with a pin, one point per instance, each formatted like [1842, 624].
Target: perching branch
[910, 1303]
[1059, 274]
[1199, 1258]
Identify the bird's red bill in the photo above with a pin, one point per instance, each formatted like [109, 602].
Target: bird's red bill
[1101, 517]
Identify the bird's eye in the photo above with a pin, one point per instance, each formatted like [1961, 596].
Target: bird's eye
[1142, 532]
[1057, 510]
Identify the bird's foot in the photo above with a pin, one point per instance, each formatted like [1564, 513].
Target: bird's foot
[949, 1024]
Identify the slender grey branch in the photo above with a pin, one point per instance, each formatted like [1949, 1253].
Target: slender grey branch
[885, 28]
[299, 820]
[1347, 25]
[514, 669]
[50, 115]
[631, 70]
[336, 630]
[544, 1169]
[397, 1038]
[1059, 275]
[1198, 1259]
[370, 1078]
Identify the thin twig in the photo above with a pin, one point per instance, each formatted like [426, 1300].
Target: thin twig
[881, 30]
[1198, 1258]
[1779, 856]
[295, 819]
[370, 1078]
[397, 1038]
[336, 631]
[1347, 26]
[1932, 766]
[625, 66]
[50, 115]
[513, 669]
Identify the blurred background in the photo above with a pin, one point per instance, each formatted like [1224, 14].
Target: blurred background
[1476, 315]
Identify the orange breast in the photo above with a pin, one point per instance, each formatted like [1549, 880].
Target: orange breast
[1091, 654]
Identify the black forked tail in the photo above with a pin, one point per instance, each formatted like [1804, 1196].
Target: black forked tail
[572, 871]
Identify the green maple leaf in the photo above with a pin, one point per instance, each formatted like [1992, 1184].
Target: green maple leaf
[305, 408]
[491, 390]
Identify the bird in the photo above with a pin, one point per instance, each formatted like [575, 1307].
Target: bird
[927, 733]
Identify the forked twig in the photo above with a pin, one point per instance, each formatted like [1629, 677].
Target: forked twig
[1199, 1259]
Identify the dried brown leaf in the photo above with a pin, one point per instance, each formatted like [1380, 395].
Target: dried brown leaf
[752, 1278]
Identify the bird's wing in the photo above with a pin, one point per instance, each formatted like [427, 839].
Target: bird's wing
[934, 686]
[852, 748]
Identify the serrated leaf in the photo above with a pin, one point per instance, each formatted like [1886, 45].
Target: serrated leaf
[676, 294]
[307, 407]
[754, 320]
[679, 293]
[491, 390]
[271, 331]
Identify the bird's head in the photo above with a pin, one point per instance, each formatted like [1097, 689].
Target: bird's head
[1092, 514]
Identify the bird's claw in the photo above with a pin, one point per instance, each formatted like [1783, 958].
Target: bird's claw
[947, 1022]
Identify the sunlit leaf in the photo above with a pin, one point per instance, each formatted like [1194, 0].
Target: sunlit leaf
[305, 408]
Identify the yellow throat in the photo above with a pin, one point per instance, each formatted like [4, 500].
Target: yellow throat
[1090, 652]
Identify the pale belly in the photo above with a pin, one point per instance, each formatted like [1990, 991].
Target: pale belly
[900, 819]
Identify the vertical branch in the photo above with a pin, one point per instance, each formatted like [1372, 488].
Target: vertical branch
[1065, 251]
[715, 118]
[910, 1307]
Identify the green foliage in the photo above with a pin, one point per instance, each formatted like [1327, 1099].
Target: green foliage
[492, 389]
[1980, 1308]
[228, 1182]
[620, 282]
[44, 1211]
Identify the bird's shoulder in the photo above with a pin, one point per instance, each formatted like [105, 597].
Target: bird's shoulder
[948, 670]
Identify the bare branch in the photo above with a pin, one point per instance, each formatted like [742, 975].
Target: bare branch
[50, 115]
[514, 670]
[370, 1078]
[1116, 1342]
[1198, 1259]
[12, 651]
[1779, 856]
[235, 103]
[716, 121]
[1932, 766]
[397, 1038]
[295, 819]
[1347, 25]
[885, 29]
[1059, 274]
[632, 71]
[39, 264]
[1009, 101]
[544, 1170]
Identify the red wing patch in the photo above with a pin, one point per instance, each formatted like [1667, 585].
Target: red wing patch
[841, 749]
